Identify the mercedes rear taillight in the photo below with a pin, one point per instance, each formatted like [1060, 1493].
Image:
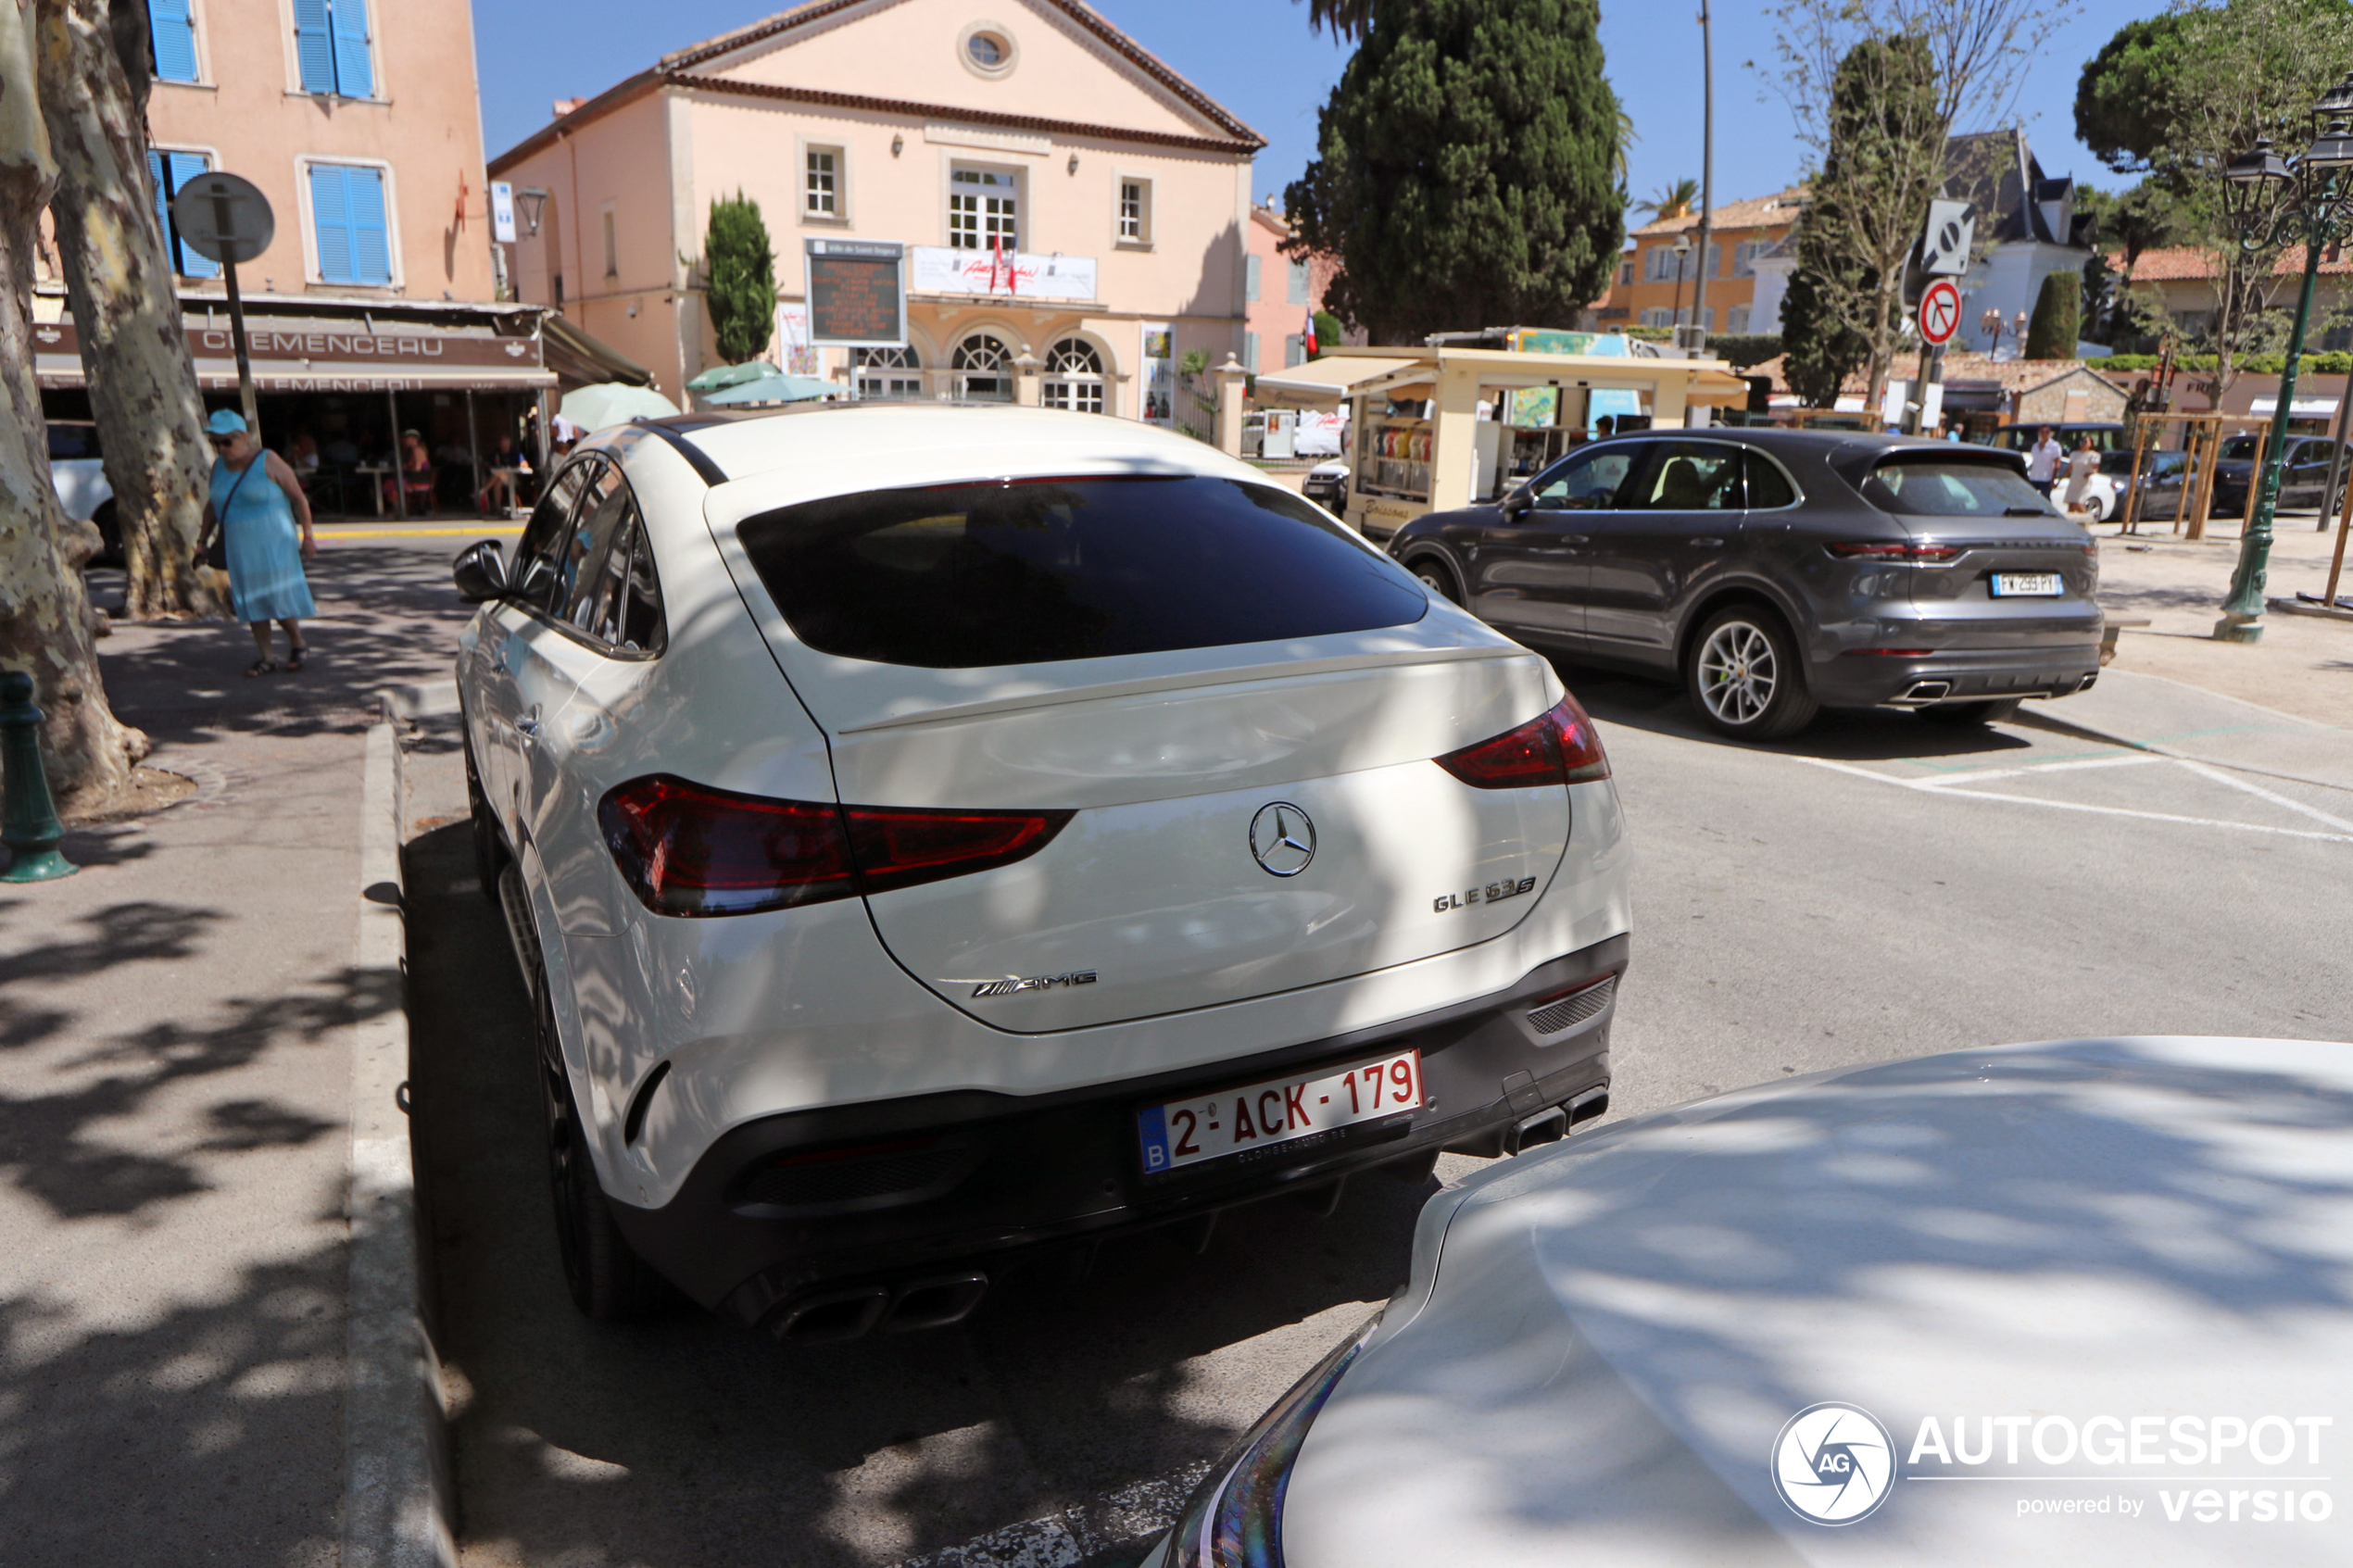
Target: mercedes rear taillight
[1556, 748]
[689, 850]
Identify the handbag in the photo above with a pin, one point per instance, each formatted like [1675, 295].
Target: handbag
[212, 543]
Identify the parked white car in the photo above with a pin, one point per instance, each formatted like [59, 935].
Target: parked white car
[934, 833]
[80, 477]
[2075, 1302]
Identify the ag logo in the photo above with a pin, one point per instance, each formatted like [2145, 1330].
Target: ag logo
[1833, 1463]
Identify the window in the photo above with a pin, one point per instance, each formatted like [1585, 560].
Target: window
[1587, 481]
[1250, 352]
[1249, 279]
[1768, 486]
[347, 219]
[1744, 257]
[1074, 377]
[1658, 316]
[544, 537]
[970, 576]
[1299, 285]
[1736, 319]
[172, 25]
[983, 369]
[988, 51]
[1626, 273]
[618, 599]
[821, 183]
[1294, 350]
[167, 172]
[572, 596]
[331, 48]
[612, 243]
[1689, 476]
[1134, 212]
[886, 372]
[980, 210]
[1942, 487]
[1715, 259]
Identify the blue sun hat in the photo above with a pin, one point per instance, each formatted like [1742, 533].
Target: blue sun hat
[225, 422]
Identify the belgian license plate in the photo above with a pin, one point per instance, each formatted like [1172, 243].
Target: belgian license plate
[1279, 1111]
[2028, 585]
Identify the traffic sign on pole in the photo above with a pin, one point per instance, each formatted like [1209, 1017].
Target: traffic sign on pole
[1952, 231]
[226, 218]
[1940, 311]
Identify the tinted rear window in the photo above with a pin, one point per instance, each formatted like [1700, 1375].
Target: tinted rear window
[959, 576]
[1932, 485]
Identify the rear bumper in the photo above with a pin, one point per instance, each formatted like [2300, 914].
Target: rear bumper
[1852, 680]
[962, 1184]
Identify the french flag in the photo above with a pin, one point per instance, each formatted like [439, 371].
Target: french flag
[1308, 337]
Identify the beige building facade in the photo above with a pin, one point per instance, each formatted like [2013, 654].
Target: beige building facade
[358, 118]
[1072, 210]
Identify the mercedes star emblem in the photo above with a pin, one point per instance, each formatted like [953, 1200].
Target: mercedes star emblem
[1282, 839]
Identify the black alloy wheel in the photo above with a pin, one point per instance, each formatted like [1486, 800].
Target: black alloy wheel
[1746, 677]
[1956, 715]
[608, 1282]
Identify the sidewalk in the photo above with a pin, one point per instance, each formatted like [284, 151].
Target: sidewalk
[2304, 665]
[176, 1033]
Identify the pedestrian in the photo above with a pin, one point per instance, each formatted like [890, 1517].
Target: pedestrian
[506, 468]
[1604, 427]
[2042, 461]
[258, 524]
[2081, 464]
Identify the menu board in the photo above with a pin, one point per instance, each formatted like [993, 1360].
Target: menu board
[857, 293]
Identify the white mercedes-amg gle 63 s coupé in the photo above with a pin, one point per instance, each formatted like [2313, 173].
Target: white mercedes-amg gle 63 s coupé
[934, 833]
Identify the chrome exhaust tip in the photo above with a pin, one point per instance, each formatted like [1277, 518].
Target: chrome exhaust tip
[936, 1303]
[1920, 693]
[1546, 1126]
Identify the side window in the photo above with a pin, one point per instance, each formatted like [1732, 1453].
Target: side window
[536, 555]
[1587, 481]
[634, 622]
[1689, 476]
[1768, 486]
[573, 596]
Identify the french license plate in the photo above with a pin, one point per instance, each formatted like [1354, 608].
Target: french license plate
[2028, 585]
[1279, 1111]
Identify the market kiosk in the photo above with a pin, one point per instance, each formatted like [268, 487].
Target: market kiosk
[1441, 427]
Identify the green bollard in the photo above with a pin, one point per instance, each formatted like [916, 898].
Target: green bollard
[29, 824]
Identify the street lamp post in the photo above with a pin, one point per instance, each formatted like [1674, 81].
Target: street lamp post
[2269, 204]
[1682, 249]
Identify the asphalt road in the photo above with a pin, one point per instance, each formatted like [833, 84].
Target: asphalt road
[1878, 888]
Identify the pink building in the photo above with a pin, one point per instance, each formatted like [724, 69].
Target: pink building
[1068, 207]
[1283, 293]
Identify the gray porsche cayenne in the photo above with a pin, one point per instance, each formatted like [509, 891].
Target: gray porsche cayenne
[1777, 572]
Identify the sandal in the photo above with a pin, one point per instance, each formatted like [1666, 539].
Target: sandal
[294, 660]
[261, 667]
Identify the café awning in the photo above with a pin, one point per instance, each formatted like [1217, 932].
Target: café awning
[1326, 382]
[578, 359]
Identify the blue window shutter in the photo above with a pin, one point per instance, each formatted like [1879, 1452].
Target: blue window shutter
[1250, 277]
[185, 167]
[355, 73]
[174, 27]
[371, 239]
[314, 52]
[163, 207]
[331, 218]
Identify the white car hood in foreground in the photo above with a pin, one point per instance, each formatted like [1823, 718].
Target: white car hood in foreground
[2155, 1231]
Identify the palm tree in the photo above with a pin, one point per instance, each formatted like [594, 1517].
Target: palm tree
[1673, 201]
[1347, 19]
[1622, 153]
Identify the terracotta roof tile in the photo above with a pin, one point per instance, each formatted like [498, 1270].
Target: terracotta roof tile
[1756, 212]
[2193, 263]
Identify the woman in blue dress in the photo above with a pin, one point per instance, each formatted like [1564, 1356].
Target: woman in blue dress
[261, 506]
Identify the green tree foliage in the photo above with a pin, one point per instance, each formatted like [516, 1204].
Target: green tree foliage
[1327, 332]
[2124, 99]
[742, 298]
[1346, 19]
[1821, 347]
[2050, 333]
[1466, 168]
[1740, 350]
[1885, 157]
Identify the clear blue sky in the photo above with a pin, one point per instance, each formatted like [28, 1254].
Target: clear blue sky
[1259, 59]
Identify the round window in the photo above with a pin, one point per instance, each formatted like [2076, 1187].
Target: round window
[986, 49]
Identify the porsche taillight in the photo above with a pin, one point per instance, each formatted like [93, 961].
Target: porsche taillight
[1560, 746]
[689, 850]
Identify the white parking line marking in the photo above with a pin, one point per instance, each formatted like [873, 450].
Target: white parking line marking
[1981, 775]
[2218, 776]
[1928, 786]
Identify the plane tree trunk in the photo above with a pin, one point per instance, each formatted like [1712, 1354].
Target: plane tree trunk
[45, 615]
[118, 281]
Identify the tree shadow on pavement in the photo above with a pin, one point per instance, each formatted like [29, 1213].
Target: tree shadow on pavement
[1873, 734]
[691, 1440]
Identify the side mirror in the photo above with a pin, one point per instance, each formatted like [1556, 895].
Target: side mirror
[480, 572]
[1516, 501]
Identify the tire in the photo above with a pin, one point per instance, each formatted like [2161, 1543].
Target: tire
[1955, 715]
[608, 1282]
[490, 849]
[1437, 576]
[1745, 678]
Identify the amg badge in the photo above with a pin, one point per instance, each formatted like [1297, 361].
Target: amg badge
[1034, 983]
[1493, 893]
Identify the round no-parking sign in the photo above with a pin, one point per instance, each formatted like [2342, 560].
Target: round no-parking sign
[1940, 311]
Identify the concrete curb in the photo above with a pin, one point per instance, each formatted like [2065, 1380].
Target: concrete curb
[419, 699]
[398, 1504]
